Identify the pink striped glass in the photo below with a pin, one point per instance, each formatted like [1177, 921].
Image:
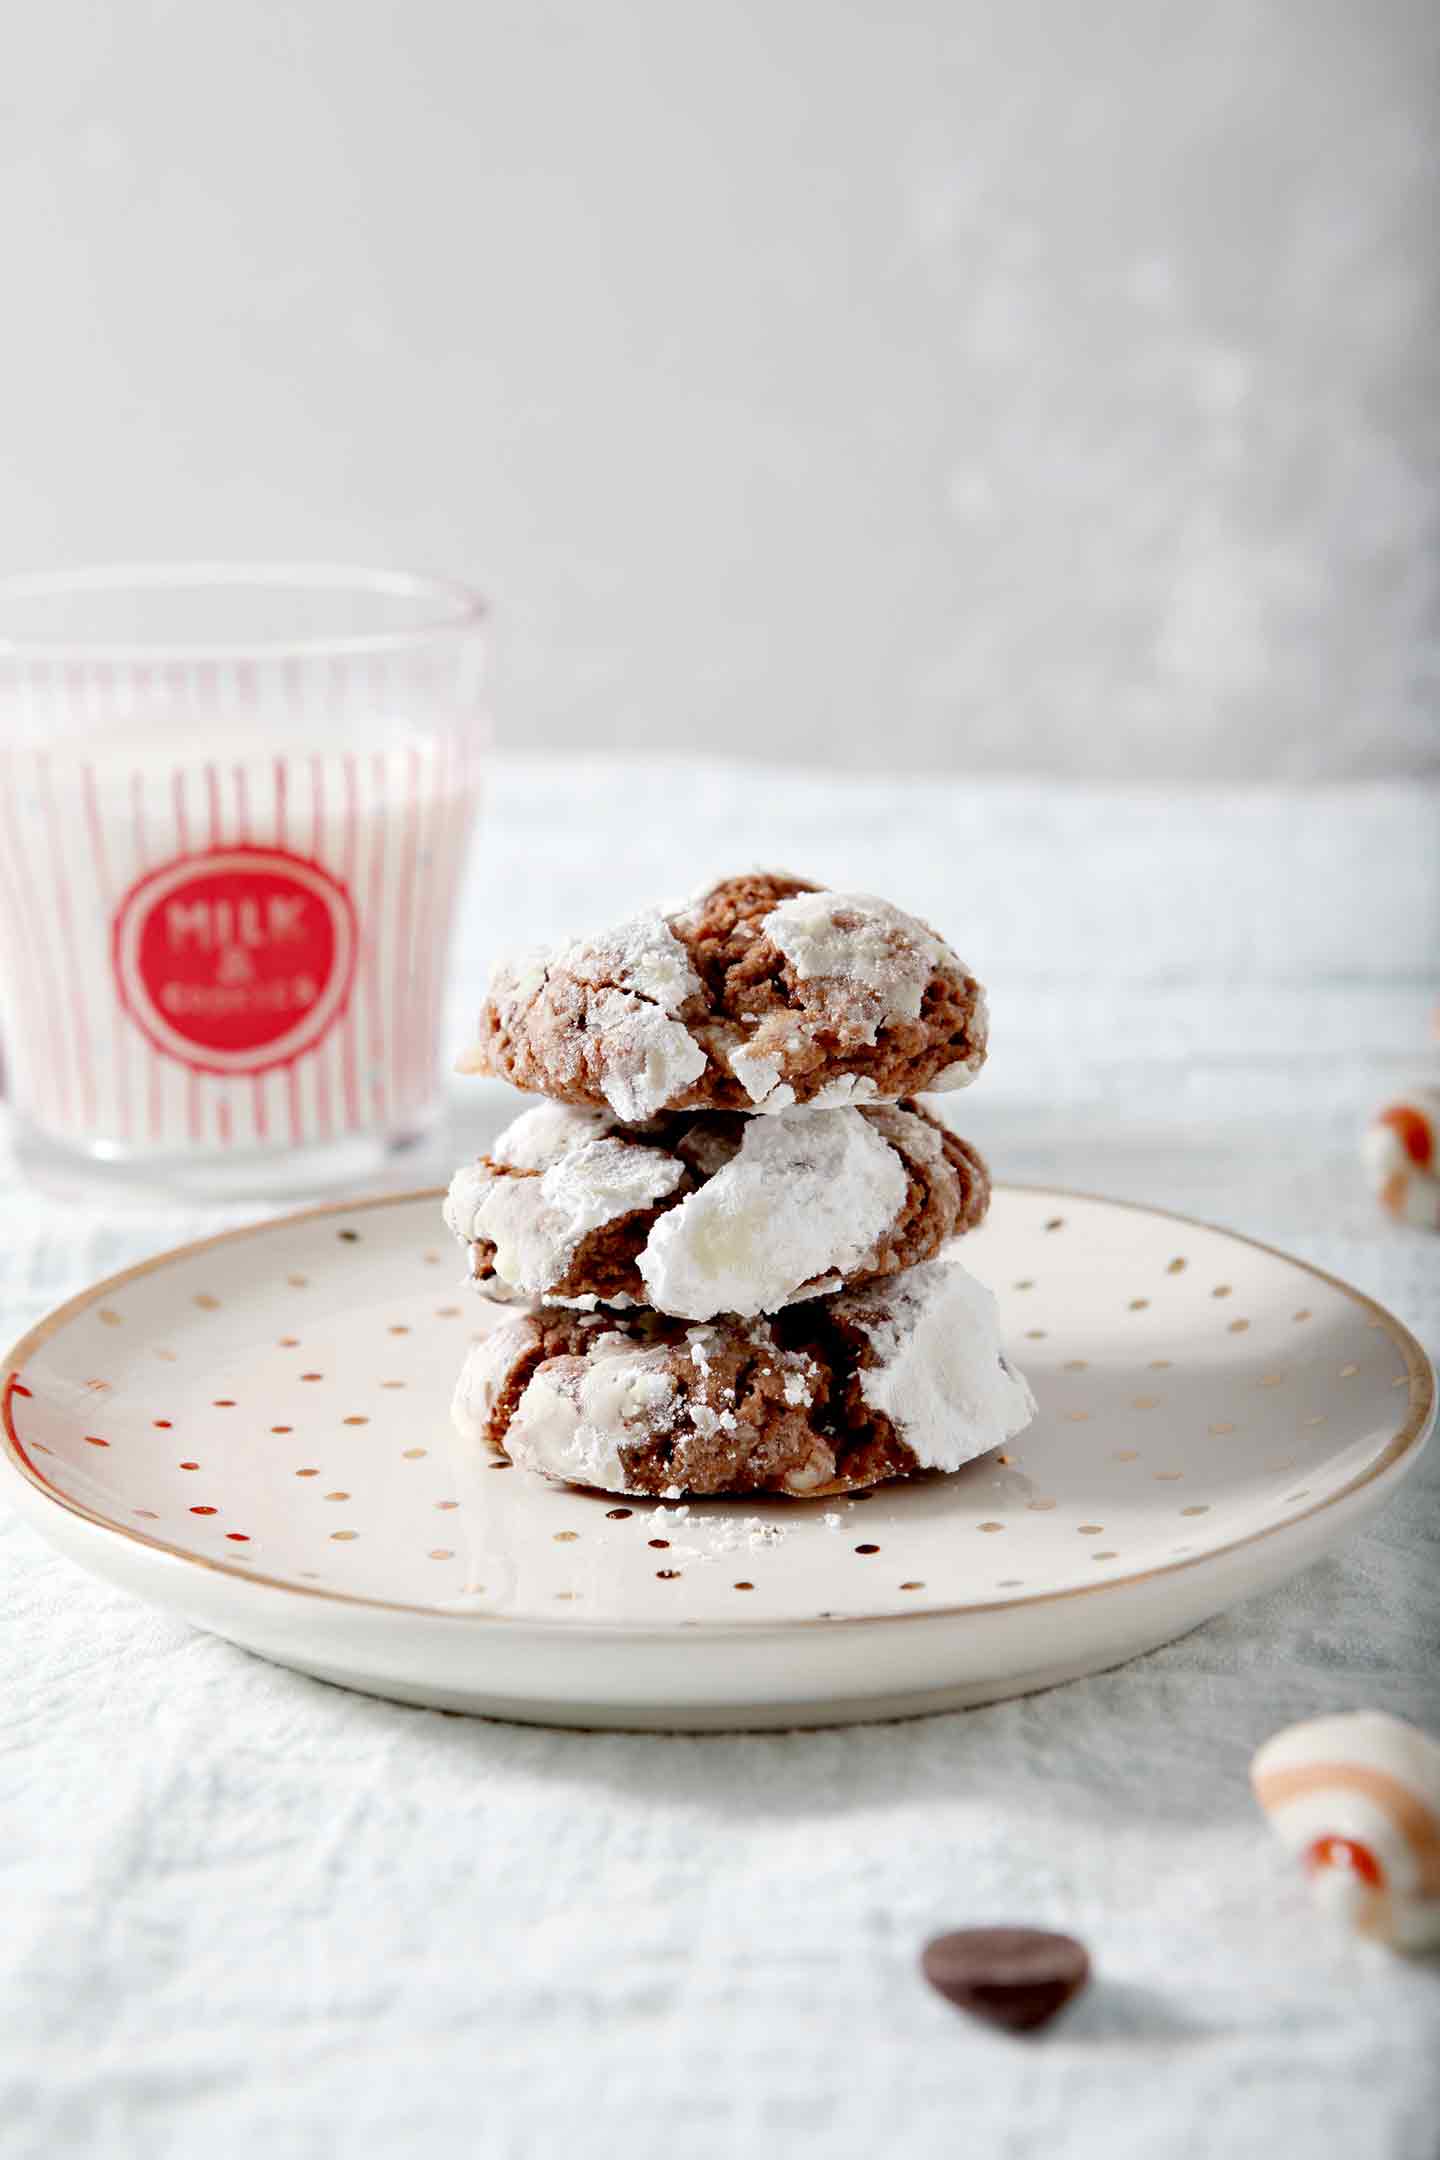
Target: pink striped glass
[234, 812]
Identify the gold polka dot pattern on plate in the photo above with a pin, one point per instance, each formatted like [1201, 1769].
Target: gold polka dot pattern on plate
[1221, 1289]
[1201, 1507]
[343, 1537]
[1303, 1314]
[337, 1496]
[1211, 1381]
[298, 1282]
[206, 1303]
[444, 1507]
[1056, 1222]
[108, 1317]
[442, 1552]
[1271, 1379]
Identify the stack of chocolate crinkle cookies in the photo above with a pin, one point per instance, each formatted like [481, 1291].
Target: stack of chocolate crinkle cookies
[725, 1228]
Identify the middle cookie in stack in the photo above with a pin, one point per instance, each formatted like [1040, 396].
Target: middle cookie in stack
[722, 1302]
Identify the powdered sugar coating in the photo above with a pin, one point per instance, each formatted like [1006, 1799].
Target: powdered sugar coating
[962, 1071]
[849, 1088]
[809, 1194]
[650, 1060]
[486, 1374]
[833, 1394]
[542, 1136]
[759, 1075]
[863, 942]
[577, 1413]
[938, 1373]
[711, 1213]
[630, 981]
[760, 994]
[642, 955]
[535, 1220]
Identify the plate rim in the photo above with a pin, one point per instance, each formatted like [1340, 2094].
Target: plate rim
[1403, 1447]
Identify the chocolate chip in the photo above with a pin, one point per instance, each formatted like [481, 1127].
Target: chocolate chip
[1016, 1978]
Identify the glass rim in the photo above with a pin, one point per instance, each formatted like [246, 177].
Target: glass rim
[450, 608]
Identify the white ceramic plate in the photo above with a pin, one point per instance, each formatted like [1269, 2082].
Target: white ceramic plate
[254, 1432]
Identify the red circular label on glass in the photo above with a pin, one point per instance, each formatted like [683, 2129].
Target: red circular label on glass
[236, 961]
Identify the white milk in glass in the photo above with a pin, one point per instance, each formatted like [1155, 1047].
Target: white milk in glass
[223, 936]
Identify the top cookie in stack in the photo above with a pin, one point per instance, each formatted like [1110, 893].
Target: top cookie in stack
[726, 1219]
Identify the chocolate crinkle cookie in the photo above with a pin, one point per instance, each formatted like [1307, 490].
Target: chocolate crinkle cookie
[763, 993]
[903, 1375]
[706, 1212]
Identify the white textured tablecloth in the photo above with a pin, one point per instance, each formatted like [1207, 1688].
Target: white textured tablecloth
[241, 1912]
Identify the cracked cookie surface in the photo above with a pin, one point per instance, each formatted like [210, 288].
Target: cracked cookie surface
[709, 1212]
[906, 1374]
[764, 992]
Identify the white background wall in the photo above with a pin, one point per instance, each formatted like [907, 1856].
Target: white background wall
[987, 383]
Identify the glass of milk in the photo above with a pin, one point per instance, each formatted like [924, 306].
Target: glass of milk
[234, 812]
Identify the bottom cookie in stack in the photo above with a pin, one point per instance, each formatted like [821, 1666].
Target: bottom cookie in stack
[830, 1395]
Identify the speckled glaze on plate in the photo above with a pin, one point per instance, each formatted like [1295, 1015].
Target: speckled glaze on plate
[254, 1432]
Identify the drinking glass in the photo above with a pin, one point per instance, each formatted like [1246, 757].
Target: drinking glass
[234, 811]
